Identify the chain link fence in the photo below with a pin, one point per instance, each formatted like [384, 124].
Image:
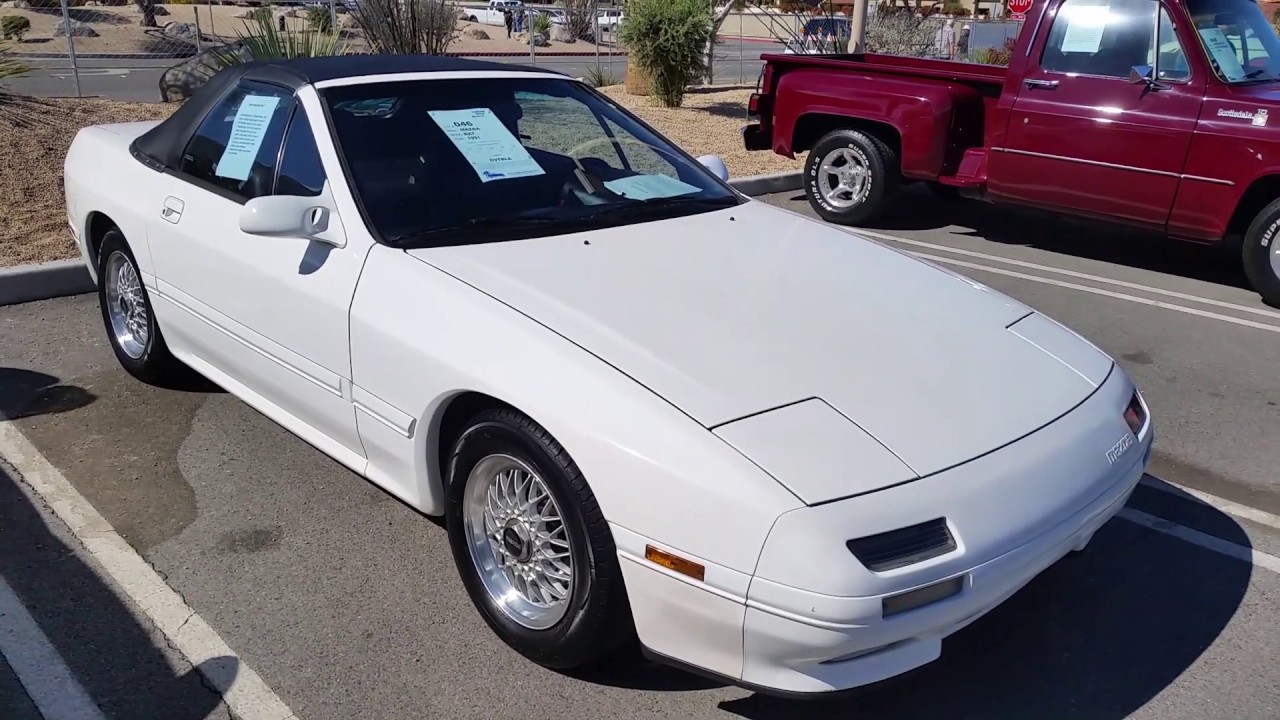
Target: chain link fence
[138, 49]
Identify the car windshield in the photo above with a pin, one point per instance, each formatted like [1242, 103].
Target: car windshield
[1239, 41]
[458, 161]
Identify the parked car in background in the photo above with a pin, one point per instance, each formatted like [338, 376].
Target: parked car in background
[492, 14]
[1088, 119]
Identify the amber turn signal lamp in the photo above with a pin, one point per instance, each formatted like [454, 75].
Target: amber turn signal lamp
[674, 562]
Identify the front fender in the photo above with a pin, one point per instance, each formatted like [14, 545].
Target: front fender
[419, 337]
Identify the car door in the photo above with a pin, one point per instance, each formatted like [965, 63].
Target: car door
[1082, 136]
[268, 312]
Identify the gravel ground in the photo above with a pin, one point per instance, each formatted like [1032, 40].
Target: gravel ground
[35, 135]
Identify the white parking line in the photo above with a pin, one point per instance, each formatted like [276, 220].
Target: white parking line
[245, 693]
[1204, 540]
[1261, 517]
[39, 667]
[1072, 273]
[1099, 291]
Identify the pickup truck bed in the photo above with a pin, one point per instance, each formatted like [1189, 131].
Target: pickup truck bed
[941, 105]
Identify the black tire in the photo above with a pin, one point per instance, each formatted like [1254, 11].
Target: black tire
[597, 623]
[155, 364]
[885, 176]
[1260, 247]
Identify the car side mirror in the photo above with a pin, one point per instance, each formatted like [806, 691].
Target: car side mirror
[715, 164]
[292, 216]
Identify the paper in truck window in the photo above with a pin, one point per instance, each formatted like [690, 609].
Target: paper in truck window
[247, 131]
[486, 143]
[1223, 53]
[644, 187]
[1084, 29]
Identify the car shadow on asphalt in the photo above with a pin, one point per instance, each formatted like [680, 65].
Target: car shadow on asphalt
[1097, 635]
[920, 209]
[119, 662]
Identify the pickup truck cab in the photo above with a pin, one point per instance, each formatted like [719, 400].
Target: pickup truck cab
[1150, 113]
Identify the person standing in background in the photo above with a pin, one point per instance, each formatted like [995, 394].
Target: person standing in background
[507, 20]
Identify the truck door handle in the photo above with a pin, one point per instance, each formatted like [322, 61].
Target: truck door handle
[1042, 84]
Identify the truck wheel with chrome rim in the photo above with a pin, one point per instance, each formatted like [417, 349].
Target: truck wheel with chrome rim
[851, 177]
[127, 314]
[531, 546]
[1261, 254]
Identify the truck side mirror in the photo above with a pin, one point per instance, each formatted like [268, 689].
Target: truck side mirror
[1140, 74]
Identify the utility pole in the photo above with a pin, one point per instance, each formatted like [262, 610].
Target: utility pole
[858, 27]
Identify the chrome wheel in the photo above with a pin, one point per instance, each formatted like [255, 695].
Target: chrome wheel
[1275, 258]
[126, 305]
[518, 541]
[844, 178]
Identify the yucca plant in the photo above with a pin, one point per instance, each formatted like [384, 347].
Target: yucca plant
[263, 40]
[599, 76]
[541, 24]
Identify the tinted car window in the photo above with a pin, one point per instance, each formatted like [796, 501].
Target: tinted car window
[301, 172]
[236, 146]
[449, 161]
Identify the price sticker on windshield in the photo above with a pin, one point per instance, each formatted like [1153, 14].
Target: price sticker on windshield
[490, 148]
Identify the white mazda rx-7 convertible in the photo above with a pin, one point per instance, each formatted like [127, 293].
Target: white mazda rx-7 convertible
[653, 412]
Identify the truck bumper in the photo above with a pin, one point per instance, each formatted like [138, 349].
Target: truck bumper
[754, 137]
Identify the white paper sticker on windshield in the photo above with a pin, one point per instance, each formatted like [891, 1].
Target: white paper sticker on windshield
[1223, 53]
[644, 187]
[1084, 29]
[486, 143]
[247, 131]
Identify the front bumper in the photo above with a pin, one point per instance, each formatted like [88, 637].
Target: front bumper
[812, 621]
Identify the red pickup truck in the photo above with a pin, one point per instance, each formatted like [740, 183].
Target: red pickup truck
[1151, 113]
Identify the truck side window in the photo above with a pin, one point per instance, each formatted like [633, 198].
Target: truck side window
[1107, 38]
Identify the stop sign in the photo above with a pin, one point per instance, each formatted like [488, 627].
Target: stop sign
[1019, 7]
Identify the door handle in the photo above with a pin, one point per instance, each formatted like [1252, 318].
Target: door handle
[172, 209]
[1041, 84]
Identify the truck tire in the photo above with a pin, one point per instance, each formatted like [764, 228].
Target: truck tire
[1261, 254]
[856, 195]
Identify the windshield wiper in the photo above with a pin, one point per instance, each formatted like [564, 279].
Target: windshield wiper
[1257, 75]
[511, 222]
[642, 207]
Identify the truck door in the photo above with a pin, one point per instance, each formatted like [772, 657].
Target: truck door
[1084, 134]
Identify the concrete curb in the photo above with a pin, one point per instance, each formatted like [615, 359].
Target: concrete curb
[756, 185]
[60, 278]
[41, 281]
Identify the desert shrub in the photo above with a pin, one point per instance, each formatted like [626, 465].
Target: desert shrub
[899, 33]
[667, 38]
[319, 19]
[996, 56]
[14, 27]
[262, 39]
[541, 24]
[407, 27]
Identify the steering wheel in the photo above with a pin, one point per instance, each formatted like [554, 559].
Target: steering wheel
[613, 141]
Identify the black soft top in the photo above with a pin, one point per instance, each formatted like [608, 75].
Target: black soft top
[161, 147]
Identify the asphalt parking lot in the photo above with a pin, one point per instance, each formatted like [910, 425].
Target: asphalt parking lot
[346, 605]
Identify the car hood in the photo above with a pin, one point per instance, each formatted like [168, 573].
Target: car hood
[733, 313]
